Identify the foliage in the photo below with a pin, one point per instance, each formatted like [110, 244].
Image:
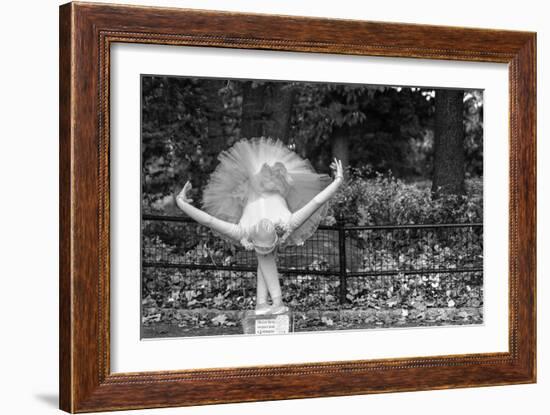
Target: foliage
[473, 129]
[385, 124]
[200, 300]
[175, 134]
[391, 129]
[369, 198]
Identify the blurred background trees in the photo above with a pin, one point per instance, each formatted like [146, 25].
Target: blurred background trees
[423, 137]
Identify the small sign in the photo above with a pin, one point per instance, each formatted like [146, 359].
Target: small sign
[267, 323]
[277, 325]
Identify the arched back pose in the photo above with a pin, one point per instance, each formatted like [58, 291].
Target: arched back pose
[263, 195]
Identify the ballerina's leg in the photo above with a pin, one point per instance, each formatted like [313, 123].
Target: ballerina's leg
[269, 271]
[261, 290]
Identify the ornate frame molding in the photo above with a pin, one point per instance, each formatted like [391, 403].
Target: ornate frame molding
[86, 34]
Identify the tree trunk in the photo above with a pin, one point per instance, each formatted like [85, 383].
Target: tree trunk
[339, 142]
[253, 110]
[214, 112]
[448, 171]
[267, 110]
[278, 108]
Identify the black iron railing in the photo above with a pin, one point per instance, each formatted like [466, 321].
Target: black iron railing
[346, 256]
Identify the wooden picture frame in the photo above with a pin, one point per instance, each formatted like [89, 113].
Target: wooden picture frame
[86, 33]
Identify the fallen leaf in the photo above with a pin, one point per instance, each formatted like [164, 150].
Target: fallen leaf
[219, 320]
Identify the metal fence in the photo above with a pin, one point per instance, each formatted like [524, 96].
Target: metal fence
[339, 263]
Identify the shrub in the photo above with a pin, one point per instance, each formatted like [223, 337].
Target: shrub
[386, 200]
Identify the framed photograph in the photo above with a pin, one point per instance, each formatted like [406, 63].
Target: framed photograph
[258, 207]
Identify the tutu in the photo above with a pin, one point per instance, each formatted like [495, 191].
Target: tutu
[262, 178]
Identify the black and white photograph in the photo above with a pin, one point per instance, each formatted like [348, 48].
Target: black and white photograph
[280, 206]
[275, 207]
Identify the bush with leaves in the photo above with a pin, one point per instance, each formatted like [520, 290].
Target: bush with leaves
[369, 198]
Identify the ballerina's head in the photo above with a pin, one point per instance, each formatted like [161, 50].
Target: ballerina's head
[264, 237]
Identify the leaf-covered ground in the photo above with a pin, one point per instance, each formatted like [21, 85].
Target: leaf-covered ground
[208, 322]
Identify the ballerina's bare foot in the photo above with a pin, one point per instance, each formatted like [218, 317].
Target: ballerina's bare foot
[278, 309]
[262, 309]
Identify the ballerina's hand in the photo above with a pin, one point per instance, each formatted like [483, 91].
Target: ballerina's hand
[336, 165]
[182, 196]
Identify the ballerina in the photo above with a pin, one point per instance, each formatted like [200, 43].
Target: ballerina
[263, 196]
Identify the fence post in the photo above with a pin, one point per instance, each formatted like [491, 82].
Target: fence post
[342, 252]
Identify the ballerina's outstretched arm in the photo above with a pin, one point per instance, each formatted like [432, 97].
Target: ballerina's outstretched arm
[303, 214]
[232, 231]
